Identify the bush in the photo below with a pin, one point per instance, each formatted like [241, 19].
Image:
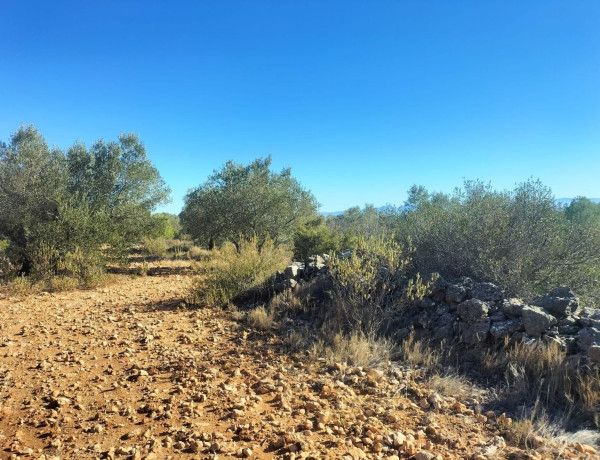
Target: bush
[155, 247]
[314, 237]
[22, 285]
[517, 239]
[231, 272]
[371, 285]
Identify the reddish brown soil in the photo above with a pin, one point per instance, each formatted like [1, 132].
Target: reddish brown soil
[127, 371]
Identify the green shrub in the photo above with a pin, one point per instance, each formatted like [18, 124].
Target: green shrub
[517, 239]
[371, 285]
[314, 237]
[230, 271]
[22, 285]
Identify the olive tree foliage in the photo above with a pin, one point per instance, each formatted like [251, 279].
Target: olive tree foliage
[240, 201]
[58, 208]
[583, 211]
[518, 239]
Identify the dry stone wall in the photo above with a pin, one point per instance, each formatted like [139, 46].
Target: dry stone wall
[479, 314]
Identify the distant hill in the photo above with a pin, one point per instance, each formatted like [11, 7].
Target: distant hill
[338, 213]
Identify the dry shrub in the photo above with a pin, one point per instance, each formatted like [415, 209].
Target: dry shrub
[260, 318]
[199, 254]
[62, 283]
[231, 272]
[22, 285]
[155, 247]
[545, 374]
[355, 349]
[295, 340]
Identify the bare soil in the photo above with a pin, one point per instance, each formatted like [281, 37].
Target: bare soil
[128, 371]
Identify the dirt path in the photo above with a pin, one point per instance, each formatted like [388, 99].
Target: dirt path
[127, 372]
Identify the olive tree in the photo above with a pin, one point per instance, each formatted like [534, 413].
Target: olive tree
[61, 208]
[241, 201]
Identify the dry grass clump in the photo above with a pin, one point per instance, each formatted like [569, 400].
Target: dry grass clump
[260, 318]
[232, 271]
[454, 385]
[355, 349]
[63, 283]
[543, 379]
[22, 285]
[199, 254]
[419, 354]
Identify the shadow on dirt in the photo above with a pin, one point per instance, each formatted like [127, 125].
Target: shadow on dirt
[152, 271]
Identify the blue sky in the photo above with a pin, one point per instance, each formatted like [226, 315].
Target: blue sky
[361, 99]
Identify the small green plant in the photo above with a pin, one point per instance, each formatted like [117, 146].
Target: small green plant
[231, 272]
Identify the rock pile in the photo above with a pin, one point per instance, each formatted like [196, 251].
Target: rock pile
[478, 313]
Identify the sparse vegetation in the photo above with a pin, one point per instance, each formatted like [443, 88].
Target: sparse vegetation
[233, 271]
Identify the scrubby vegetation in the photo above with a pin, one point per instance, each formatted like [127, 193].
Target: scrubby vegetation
[519, 240]
[232, 271]
[65, 215]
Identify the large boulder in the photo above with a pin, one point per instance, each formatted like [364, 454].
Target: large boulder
[512, 307]
[560, 302]
[473, 310]
[536, 320]
[506, 329]
[455, 293]
[487, 292]
[475, 332]
[587, 337]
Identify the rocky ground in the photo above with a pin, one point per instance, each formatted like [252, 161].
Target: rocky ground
[127, 371]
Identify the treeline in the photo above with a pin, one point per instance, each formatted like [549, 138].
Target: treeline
[67, 213]
[519, 239]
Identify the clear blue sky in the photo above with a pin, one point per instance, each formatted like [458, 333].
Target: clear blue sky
[362, 99]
